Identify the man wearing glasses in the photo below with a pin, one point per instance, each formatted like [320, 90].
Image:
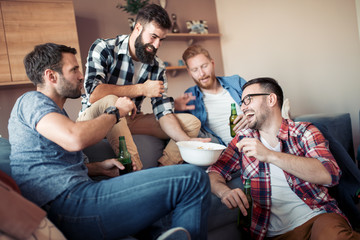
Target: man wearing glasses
[290, 166]
[210, 99]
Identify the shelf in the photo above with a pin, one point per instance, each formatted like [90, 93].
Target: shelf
[191, 37]
[174, 68]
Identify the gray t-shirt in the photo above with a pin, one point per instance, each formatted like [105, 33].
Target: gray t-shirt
[41, 168]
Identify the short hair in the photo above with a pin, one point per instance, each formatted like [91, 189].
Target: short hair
[45, 56]
[156, 13]
[194, 50]
[270, 85]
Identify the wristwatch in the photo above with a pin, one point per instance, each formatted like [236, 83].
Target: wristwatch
[113, 110]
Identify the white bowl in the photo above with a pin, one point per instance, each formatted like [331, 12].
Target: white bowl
[200, 153]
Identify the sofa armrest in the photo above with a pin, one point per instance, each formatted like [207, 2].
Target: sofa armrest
[4, 156]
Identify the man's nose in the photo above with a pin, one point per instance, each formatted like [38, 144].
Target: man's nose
[201, 72]
[156, 43]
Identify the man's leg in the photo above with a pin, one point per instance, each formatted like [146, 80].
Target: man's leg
[147, 124]
[191, 126]
[124, 205]
[326, 226]
[119, 129]
[330, 226]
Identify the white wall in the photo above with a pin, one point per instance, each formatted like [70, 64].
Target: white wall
[311, 47]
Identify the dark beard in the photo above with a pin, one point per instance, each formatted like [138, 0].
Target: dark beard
[141, 53]
[68, 91]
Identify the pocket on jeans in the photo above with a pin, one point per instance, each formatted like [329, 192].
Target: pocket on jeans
[89, 227]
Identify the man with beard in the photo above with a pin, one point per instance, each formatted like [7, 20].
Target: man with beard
[47, 162]
[211, 98]
[289, 165]
[128, 66]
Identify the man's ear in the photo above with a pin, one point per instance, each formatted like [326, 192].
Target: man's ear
[50, 75]
[138, 28]
[272, 100]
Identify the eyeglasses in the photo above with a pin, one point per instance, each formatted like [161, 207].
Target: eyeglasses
[247, 99]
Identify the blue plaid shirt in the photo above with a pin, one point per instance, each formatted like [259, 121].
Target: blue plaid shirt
[109, 62]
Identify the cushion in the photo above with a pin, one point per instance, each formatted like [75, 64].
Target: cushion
[4, 156]
[150, 150]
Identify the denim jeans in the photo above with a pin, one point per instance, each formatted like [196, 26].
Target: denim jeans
[124, 205]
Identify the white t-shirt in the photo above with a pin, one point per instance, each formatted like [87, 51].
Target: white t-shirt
[218, 108]
[288, 211]
[137, 68]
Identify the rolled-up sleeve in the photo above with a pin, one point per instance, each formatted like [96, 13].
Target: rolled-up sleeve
[318, 147]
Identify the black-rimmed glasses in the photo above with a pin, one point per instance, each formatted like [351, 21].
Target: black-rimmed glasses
[247, 99]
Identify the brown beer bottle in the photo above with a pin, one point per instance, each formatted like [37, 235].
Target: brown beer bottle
[124, 157]
[232, 118]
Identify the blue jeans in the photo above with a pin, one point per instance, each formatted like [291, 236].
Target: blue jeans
[124, 205]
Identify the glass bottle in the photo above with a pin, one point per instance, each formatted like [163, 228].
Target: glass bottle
[175, 27]
[124, 157]
[232, 118]
[245, 221]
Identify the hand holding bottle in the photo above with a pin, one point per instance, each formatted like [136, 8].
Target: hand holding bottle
[125, 106]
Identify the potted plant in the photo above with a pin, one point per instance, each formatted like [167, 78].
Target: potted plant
[133, 6]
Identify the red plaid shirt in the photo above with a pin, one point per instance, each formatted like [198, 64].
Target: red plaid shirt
[298, 138]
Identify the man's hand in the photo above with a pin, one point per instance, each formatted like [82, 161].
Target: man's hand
[241, 122]
[109, 167]
[125, 106]
[235, 198]
[180, 102]
[252, 147]
[153, 88]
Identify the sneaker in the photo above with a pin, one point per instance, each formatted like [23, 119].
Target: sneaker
[177, 233]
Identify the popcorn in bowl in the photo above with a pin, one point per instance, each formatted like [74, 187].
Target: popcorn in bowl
[200, 153]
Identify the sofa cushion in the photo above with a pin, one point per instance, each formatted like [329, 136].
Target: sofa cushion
[150, 150]
[4, 155]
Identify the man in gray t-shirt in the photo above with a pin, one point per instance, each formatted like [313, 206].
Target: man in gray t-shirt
[46, 162]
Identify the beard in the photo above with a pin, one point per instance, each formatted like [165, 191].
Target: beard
[67, 90]
[209, 84]
[259, 118]
[142, 54]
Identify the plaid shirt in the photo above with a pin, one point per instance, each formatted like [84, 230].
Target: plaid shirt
[301, 139]
[109, 62]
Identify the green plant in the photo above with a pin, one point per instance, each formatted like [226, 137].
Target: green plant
[133, 6]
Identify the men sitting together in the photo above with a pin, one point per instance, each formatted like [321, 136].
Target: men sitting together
[289, 163]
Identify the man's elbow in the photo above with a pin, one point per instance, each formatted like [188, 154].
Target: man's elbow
[74, 144]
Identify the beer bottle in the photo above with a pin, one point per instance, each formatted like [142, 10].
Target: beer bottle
[232, 118]
[124, 156]
[245, 221]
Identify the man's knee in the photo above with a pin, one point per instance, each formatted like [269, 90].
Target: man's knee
[98, 108]
[108, 101]
[189, 121]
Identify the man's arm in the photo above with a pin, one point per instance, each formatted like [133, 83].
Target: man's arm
[171, 126]
[148, 89]
[232, 198]
[75, 136]
[305, 168]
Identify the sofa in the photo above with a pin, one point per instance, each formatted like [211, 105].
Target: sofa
[222, 221]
